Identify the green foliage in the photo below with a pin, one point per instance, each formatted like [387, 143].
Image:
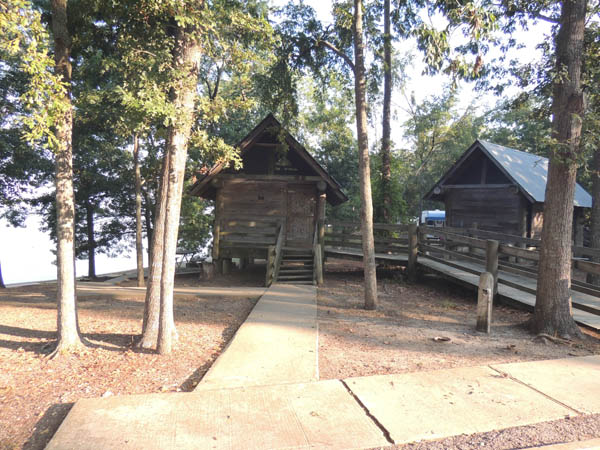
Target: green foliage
[439, 133]
[522, 123]
[327, 132]
[195, 224]
[24, 39]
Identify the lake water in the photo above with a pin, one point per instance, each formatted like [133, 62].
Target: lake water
[26, 255]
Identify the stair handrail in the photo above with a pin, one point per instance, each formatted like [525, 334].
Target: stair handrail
[279, 251]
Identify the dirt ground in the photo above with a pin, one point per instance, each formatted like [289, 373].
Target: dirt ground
[423, 326]
[36, 393]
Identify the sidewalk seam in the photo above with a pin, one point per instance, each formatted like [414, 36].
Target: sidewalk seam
[564, 405]
[378, 424]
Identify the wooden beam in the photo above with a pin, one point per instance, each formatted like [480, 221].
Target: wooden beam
[477, 186]
[232, 177]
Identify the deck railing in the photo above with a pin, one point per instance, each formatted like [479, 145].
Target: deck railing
[389, 238]
[274, 254]
[450, 247]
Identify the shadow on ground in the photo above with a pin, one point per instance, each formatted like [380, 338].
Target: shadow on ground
[47, 426]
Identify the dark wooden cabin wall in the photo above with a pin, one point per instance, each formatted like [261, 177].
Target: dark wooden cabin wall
[494, 209]
[477, 169]
[252, 199]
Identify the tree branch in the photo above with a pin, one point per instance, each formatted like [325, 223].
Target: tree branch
[219, 75]
[547, 18]
[337, 51]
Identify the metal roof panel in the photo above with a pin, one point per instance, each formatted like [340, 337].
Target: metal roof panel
[530, 172]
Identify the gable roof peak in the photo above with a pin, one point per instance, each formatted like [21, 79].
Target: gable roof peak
[526, 170]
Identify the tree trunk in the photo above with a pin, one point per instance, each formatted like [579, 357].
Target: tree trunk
[139, 248]
[89, 215]
[368, 244]
[553, 300]
[386, 171]
[2, 285]
[186, 56]
[152, 303]
[149, 225]
[68, 330]
[595, 279]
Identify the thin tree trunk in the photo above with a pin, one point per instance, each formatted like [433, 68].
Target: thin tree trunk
[68, 332]
[186, 56]
[152, 304]
[139, 248]
[386, 171]
[89, 214]
[2, 285]
[553, 300]
[368, 243]
[149, 225]
[595, 231]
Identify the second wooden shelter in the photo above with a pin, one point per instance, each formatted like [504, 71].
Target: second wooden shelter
[500, 189]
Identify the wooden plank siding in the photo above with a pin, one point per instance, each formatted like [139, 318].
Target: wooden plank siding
[495, 209]
[249, 212]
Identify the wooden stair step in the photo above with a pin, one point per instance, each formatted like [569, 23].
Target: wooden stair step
[293, 277]
[284, 271]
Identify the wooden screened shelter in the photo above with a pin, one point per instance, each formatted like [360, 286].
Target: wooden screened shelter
[275, 201]
[500, 189]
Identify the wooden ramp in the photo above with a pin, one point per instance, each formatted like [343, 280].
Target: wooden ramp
[356, 254]
[462, 255]
[468, 274]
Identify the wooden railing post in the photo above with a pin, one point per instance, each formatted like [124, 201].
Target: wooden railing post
[318, 265]
[270, 265]
[321, 240]
[485, 301]
[413, 248]
[474, 226]
[216, 239]
[491, 261]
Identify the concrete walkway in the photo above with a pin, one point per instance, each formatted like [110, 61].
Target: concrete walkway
[263, 393]
[276, 344]
[362, 412]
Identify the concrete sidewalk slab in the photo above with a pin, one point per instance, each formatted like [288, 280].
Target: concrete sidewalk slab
[575, 382]
[314, 415]
[276, 344]
[442, 403]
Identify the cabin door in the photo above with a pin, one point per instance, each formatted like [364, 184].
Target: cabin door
[301, 207]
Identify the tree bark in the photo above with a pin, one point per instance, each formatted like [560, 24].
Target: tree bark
[152, 302]
[553, 300]
[139, 248]
[2, 285]
[386, 171]
[368, 244]
[89, 216]
[595, 226]
[149, 225]
[68, 330]
[186, 57]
